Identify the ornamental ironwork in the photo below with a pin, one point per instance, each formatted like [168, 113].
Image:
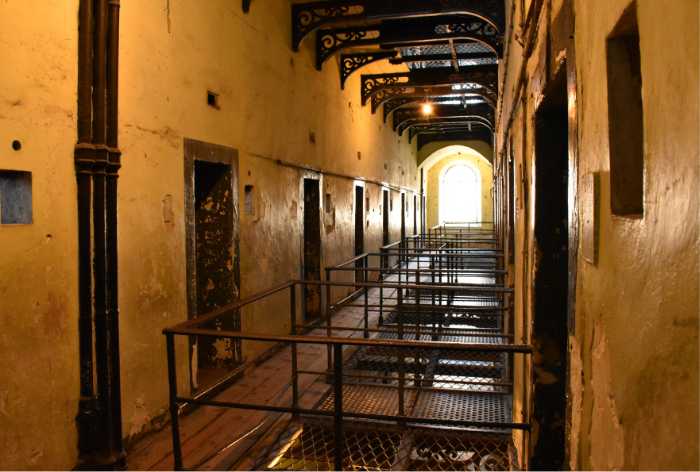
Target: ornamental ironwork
[474, 79]
[350, 63]
[391, 34]
[391, 105]
[307, 17]
[404, 117]
[330, 41]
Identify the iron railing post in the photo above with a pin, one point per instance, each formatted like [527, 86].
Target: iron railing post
[366, 301]
[338, 406]
[172, 387]
[402, 385]
[293, 321]
[329, 329]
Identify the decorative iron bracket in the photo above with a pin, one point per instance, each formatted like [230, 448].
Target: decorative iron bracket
[307, 17]
[392, 34]
[399, 97]
[330, 41]
[406, 116]
[391, 105]
[349, 63]
[485, 77]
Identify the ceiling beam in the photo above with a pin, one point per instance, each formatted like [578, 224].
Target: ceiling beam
[393, 104]
[449, 127]
[393, 34]
[440, 57]
[440, 112]
[483, 76]
[475, 135]
[421, 94]
[441, 123]
[307, 17]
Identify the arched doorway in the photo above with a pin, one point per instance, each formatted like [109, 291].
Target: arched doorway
[455, 193]
[460, 194]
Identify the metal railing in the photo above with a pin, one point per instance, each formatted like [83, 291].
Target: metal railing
[402, 369]
[432, 332]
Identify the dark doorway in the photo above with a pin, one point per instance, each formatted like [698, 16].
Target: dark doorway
[551, 277]
[215, 275]
[403, 217]
[415, 214]
[359, 230]
[211, 202]
[312, 248]
[385, 217]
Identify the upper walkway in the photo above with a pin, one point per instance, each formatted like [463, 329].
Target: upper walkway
[410, 371]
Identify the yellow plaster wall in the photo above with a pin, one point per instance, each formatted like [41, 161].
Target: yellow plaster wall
[432, 188]
[271, 100]
[171, 53]
[633, 378]
[637, 312]
[38, 262]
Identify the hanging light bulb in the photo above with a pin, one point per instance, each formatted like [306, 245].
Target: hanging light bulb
[427, 109]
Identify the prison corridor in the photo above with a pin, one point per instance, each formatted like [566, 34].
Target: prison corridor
[411, 370]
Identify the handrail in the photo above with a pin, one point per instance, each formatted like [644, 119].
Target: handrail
[465, 288]
[359, 257]
[360, 342]
[446, 260]
[235, 306]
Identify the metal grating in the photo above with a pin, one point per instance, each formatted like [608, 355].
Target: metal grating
[460, 48]
[454, 451]
[311, 447]
[463, 406]
[370, 399]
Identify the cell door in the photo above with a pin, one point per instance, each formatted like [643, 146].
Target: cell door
[213, 274]
[550, 327]
[359, 230]
[312, 248]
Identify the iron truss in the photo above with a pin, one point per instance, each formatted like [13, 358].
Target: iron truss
[448, 126]
[450, 48]
[482, 78]
[403, 33]
[465, 99]
[307, 17]
[478, 133]
[408, 118]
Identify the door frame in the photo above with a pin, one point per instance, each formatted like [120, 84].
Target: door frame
[317, 176]
[358, 184]
[194, 150]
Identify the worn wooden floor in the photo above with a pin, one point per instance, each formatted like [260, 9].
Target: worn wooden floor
[217, 438]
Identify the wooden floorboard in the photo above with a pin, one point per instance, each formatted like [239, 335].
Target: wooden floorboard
[207, 432]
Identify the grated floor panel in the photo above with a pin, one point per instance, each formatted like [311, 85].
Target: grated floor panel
[370, 399]
[309, 445]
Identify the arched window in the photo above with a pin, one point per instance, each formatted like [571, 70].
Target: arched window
[460, 195]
